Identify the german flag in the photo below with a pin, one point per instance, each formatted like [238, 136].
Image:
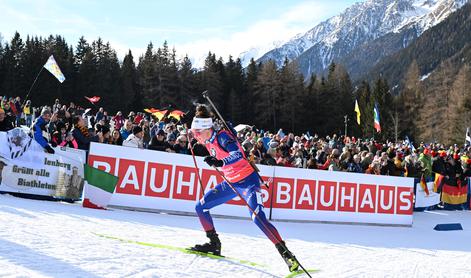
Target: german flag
[177, 114]
[454, 195]
[438, 182]
[159, 114]
[423, 184]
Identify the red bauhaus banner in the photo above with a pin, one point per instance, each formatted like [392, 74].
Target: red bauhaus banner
[167, 181]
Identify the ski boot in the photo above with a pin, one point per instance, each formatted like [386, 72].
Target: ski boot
[213, 246]
[289, 258]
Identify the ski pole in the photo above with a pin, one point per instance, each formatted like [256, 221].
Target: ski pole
[194, 161]
[256, 216]
[205, 95]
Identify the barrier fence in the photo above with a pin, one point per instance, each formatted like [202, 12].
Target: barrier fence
[153, 180]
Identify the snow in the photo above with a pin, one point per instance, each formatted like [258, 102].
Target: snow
[423, 77]
[54, 239]
[374, 18]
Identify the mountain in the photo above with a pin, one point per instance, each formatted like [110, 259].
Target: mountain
[363, 34]
[448, 41]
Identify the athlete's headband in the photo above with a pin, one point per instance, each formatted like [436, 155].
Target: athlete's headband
[202, 123]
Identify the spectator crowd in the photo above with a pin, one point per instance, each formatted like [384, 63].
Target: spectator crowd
[75, 127]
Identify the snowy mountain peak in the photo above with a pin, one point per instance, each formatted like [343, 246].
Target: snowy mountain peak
[359, 24]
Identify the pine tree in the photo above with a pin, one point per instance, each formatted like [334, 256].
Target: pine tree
[460, 105]
[381, 95]
[250, 81]
[412, 97]
[80, 51]
[187, 84]
[13, 84]
[211, 80]
[266, 98]
[129, 84]
[366, 108]
[148, 78]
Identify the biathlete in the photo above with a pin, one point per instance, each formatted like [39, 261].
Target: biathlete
[228, 155]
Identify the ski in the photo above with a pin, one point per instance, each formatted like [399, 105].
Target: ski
[301, 273]
[184, 250]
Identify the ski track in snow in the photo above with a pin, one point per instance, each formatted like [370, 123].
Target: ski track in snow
[54, 239]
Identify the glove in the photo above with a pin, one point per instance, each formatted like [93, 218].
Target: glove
[50, 150]
[212, 161]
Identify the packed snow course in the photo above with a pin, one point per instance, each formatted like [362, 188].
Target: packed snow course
[55, 239]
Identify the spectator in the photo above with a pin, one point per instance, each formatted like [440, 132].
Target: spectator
[126, 130]
[5, 123]
[72, 109]
[70, 141]
[99, 115]
[144, 124]
[56, 106]
[118, 120]
[182, 145]
[106, 134]
[134, 140]
[59, 135]
[116, 138]
[426, 164]
[81, 133]
[28, 113]
[171, 139]
[40, 133]
[158, 143]
[354, 166]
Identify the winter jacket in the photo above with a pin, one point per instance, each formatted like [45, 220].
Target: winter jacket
[134, 142]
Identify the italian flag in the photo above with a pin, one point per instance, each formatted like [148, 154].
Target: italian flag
[98, 189]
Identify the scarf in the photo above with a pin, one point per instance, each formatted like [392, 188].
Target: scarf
[83, 130]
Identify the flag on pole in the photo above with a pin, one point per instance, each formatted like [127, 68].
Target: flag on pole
[156, 112]
[99, 188]
[468, 137]
[52, 66]
[93, 99]
[177, 114]
[423, 184]
[409, 143]
[357, 110]
[377, 125]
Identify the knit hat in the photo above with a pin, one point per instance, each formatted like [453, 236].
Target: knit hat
[136, 130]
[160, 132]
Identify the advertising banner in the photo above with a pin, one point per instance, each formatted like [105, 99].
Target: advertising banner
[26, 168]
[167, 181]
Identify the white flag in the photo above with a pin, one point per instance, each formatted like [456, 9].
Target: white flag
[52, 66]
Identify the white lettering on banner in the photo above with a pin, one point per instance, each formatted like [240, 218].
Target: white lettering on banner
[305, 195]
[212, 182]
[181, 183]
[152, 184]
[344, 196]
[322, 196]
[98, 164]
[298, 194]
[130, 178]
[367, 199]
[391, 200]
[265, 194]
[403, 198]
[280, 193]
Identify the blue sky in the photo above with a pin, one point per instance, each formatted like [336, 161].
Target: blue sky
[193, 27]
